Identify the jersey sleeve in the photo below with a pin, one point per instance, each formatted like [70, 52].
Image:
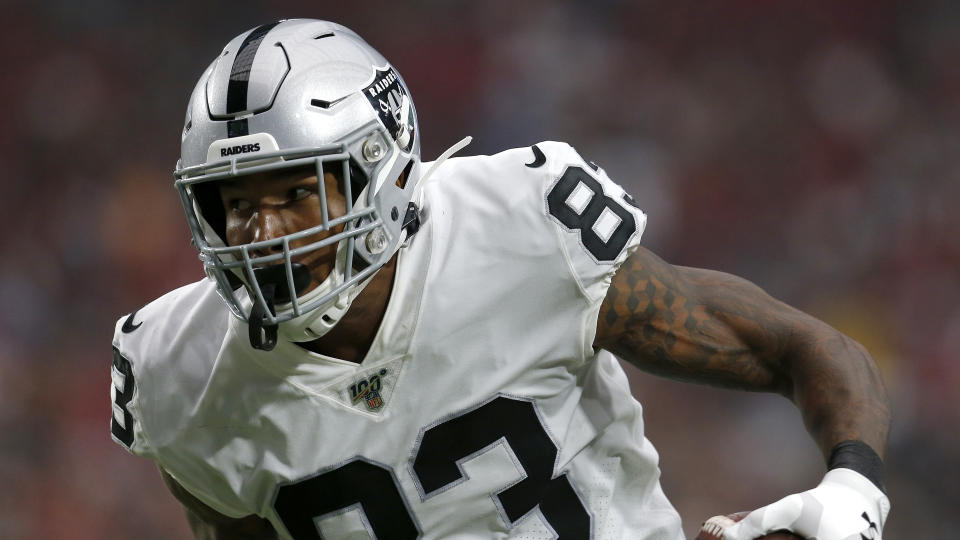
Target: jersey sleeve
[126, 427]
[163, 359]
[598, 223]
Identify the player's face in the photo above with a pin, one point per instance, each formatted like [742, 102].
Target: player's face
[270, 205]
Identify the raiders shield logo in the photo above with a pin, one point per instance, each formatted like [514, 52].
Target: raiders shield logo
[387, 95]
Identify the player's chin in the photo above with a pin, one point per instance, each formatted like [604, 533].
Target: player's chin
[320, 269]
[320, 261]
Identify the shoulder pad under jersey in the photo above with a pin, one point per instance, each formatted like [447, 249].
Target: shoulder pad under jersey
[162, 355]
[512, 200]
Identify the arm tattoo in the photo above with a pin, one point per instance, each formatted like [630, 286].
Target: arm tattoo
[718, 329]
[654, 317]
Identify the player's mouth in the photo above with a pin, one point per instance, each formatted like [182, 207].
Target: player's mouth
[275, 285]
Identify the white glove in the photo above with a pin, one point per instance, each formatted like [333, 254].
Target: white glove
[845, 506]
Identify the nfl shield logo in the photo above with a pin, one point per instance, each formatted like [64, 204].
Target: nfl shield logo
[374, 401]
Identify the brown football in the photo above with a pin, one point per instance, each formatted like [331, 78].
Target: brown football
[712, 529]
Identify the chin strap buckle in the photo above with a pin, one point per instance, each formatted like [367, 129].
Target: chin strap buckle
[263, 336]
[411, 220]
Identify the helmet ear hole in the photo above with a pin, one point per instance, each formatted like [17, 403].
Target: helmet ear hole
[404, 176]
[358, 181]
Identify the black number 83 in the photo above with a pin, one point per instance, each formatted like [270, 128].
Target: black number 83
[374, 489]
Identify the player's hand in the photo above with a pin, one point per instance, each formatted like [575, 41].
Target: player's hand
[845, 506]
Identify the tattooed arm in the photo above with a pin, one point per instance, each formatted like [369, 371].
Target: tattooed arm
[714, 328]
[208, 524]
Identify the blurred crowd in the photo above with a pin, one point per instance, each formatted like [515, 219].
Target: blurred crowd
[810, 146]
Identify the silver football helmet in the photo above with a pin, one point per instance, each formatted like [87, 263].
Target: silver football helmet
[289, 94]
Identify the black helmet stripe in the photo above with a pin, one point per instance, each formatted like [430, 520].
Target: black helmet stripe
[237, 128]
[240, 72]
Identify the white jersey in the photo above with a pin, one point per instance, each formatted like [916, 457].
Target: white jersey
[481, 410]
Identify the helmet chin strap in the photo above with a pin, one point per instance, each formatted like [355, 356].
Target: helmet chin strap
[318, 322]
[263, 336]
[460, 145]
[275, 289]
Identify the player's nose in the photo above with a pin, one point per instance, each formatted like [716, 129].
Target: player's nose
[267, 225]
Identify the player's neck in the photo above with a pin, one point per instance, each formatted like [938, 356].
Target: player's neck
[352, 337]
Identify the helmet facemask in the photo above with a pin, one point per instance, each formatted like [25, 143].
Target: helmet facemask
[264, 282]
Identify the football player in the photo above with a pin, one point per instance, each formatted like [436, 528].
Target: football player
[387, 348]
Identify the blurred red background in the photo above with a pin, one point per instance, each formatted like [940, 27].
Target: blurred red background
[810, 146]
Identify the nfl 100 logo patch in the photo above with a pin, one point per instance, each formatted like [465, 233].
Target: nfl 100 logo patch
[368, 391]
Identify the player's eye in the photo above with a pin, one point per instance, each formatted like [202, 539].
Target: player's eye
[300, 193]
[239, 204]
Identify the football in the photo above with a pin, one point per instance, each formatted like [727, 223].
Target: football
[712, 529]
